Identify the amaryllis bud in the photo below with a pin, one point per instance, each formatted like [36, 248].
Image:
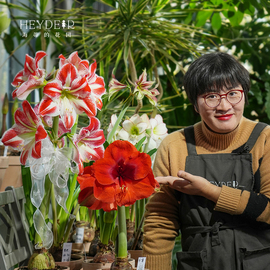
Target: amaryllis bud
[5, 105]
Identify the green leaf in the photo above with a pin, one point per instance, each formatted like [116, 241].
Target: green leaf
[4, 22]
[140, 143]
[106, 144]
[159, 5]
[217, 2]
[8, 43]
[267, 103]
[109, 2]
[216, 22]
[119, 56]
[255, 3]
[202, 17]
[139, 7]
[43, 5]
[188, 19]
[129, 7]
[151, 152]
[126, 52]
[237, 18]
[126, 36]
[119, 119]
[109, 217]
[256, 91]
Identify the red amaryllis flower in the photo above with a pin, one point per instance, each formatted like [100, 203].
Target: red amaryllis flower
[86, 196]
[123, 176]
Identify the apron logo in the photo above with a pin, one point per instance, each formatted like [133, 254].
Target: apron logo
[233, 184]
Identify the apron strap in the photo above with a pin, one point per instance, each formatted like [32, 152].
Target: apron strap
[251, 140]
[190, 140]
[213, 230]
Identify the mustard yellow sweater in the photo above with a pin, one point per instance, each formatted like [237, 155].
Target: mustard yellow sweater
[161, 218]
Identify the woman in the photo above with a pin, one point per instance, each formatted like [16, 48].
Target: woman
[215, 178]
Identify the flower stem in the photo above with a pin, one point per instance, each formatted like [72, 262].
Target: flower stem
[134, 78]
[106, 233]
[55, 128]
[122, 233]
[70, 224]
[55, 234]
[132, 214]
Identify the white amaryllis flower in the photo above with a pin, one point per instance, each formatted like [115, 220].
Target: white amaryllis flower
[119, 132]
[135, 128]
[159, 130]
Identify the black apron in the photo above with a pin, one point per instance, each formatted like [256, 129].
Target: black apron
[215, 240]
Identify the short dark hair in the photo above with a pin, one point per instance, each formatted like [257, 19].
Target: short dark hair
[212, 72]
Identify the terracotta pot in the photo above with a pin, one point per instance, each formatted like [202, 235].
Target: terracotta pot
[3, 167]
[81, 248]
[135, 254]
[74, 264]
[56, 268]
[89, 265]
[13, 175]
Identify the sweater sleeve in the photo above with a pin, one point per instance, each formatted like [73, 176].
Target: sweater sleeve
[253, 206]
[161, 220]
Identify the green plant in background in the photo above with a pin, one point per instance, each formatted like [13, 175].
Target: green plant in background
[241, 28]
[135, 36]
[164, 37]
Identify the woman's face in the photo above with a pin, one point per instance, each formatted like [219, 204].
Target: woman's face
[225, 117]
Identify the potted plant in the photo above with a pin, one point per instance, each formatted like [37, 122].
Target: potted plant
[50, 145]
[121, 177]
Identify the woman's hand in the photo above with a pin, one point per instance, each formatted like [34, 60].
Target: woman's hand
[192, 185]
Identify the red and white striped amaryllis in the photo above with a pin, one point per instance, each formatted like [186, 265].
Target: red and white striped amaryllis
[142, 89]
[89, 142]
[26, 134]
[96, 84]
[30, 78]
[67, 95]
[115, 86]
[74, 59]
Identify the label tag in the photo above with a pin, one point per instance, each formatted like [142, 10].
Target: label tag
[79, 235]
[141, 263]
[66, 254]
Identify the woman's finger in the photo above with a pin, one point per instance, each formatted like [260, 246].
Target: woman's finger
[180, 183]
[166, 180]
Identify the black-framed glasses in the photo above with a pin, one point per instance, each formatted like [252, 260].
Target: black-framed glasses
[212, 100]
